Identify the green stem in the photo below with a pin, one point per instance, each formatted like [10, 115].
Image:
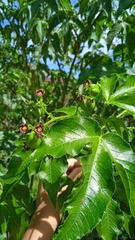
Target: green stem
[54, 119]
[103, 110]
[122, 113]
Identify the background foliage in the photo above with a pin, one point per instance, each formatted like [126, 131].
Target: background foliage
[56, 46]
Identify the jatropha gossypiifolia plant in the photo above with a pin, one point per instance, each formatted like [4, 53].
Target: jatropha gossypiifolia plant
[103, 199]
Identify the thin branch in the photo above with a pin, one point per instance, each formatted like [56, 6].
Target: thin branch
[67, 80]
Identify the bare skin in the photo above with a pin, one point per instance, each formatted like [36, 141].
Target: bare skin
[46, 218]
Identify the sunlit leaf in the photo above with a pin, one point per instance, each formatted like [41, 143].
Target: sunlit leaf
[88, 201]
[124, 159]
[112, 33]
[110, 226]
[108, 85]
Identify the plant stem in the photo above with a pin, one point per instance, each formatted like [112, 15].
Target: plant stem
[54, 119]
[122, 113]
[67, 80]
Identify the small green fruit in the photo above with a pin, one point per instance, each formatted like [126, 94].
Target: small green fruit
[32, 140]
[94, 89]
[88, 104]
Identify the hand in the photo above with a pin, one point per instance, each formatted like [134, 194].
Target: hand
[46, 218]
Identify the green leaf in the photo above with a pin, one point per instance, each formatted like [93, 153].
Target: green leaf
[3, 223]
[40, 30]
[55, 20]
[69, 136]
[33, 10]
[12, 217]
[23, 199]
[125, 102]
[124, 4]
[92, 11]
[56, 43]
[52, 5]
[66, 4]
[129, 225]
[124, 160]
[125, 88]
[66, 35]
[50, 172]
[117, 124]
[67, 110]
[83, 5]
[108, 85]
[106, 4]
[130, 39]
[99, 71]
[88, 201]
[112, 33]
[111, 223]
[81, 26]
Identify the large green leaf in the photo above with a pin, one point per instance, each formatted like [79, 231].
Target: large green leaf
[108, 85]
[69, 136]
[111, 223]
[126, 88]
[124, 159]
[112, 33]
[125, 102]
[88, 201]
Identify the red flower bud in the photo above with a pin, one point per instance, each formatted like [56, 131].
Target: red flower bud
[23, 128]
[40, 92]
[79, 99]
[39, 129]
[87, 83]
